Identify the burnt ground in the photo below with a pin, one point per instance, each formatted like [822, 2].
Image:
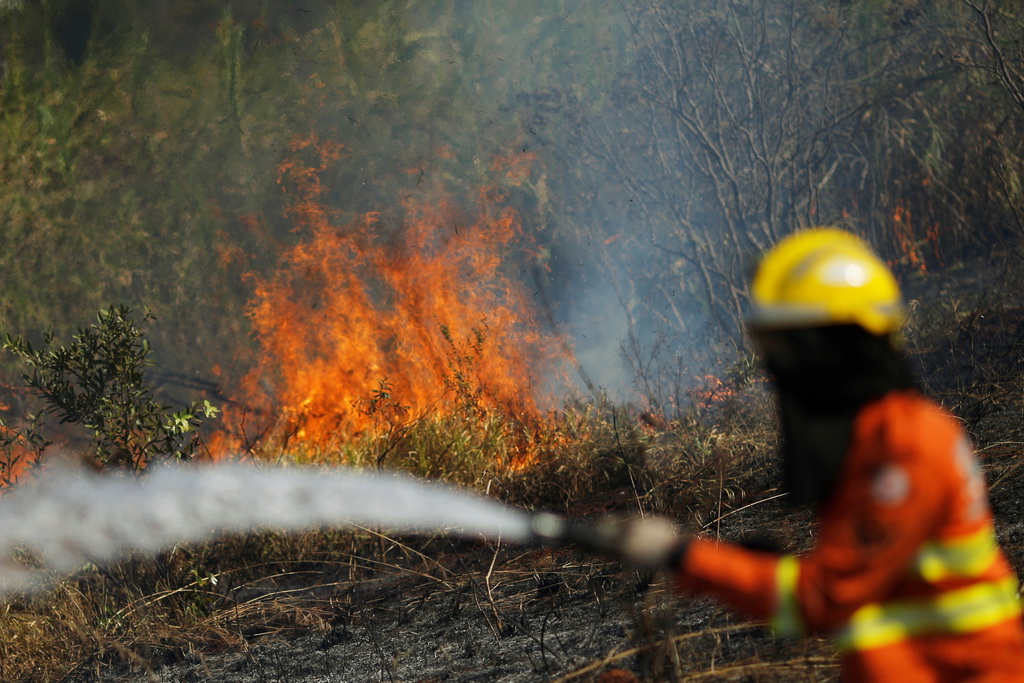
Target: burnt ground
[460, 611]
[480, 612]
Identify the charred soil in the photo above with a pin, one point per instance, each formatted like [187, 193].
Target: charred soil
[453, 611]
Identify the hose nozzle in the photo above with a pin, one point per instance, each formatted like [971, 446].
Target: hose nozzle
[602, 536]
[648, 543]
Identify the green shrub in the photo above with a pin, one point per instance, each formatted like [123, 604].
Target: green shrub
[97, 382]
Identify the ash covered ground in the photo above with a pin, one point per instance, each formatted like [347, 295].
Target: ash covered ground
[480, 612]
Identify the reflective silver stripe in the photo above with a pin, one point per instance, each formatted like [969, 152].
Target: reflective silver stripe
[959, 611]
[787, 621]
[968, 556]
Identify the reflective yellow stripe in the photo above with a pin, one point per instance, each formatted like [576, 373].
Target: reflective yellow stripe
[786, 621]
[958, 611]
[969, 556]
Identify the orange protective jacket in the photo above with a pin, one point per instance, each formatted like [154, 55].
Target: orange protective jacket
[906, 575]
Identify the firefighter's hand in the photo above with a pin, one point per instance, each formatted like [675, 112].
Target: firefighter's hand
[650, 543]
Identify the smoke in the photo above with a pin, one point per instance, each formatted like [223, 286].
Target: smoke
[70, 517]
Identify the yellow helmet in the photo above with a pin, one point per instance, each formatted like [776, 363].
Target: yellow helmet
[824, 276]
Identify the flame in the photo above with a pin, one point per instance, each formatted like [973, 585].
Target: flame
[910, 246]
[360, 329]
[14, 457]
[18, 457]
[515, 167]
[712, 390]
[716, 391]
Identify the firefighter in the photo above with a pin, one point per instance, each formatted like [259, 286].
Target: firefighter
[905, 576]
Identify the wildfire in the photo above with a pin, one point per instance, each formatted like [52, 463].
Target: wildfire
[362, 328]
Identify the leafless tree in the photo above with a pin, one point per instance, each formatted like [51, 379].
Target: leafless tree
[1003, 43]
[737, 122]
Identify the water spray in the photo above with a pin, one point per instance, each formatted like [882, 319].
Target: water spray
[73, 517]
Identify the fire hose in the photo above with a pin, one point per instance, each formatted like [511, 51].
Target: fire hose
[602, 536]
[651, 542]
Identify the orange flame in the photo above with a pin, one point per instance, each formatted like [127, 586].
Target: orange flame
[715, 391]
[911, 247]
[18, 457]
[712, 390]
[426, 321]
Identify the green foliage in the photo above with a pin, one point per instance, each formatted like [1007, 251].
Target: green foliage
[97, 381]
[143, 166]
